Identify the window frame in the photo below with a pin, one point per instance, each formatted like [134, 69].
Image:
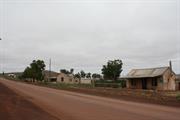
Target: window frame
[154, 82]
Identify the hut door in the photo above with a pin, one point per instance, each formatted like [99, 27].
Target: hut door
[144, 83]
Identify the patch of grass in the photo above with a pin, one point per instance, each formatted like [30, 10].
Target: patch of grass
[9, 78]
[111, 83]
[64, 85]
[178, 97]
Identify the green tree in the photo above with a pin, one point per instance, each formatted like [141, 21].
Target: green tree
[112, 70]
[95, 75]
[71, 70]
[34, 71]
[27, 73]
[83, 74]
[64, 71]
[77, 75]
[88, 75]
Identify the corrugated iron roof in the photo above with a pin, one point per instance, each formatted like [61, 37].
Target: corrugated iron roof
[52, 73]
[145, 73]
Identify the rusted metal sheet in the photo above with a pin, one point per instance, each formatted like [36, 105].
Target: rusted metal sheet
[146, 73]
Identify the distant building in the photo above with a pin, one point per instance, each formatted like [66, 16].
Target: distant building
[162, 78]
[86, 81]
[50, 76]
[12, 75]
[67, 78]
[64, 78]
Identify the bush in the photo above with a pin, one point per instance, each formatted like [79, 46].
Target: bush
[110, 83]
[178, 97]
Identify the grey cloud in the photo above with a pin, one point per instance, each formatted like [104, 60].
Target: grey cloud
[85, 35]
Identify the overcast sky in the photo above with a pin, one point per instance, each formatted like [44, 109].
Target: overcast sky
[85, 34]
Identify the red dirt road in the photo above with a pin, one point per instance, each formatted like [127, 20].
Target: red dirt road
[75, 106]
[16, 107]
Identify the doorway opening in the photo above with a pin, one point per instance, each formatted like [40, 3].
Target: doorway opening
[144, 83]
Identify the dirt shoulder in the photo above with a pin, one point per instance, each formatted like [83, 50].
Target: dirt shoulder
[15, 107]
[130, 95]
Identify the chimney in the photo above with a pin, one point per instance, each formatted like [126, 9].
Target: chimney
[170, 65]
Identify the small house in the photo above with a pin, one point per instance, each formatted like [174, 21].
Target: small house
[162, 78]
[50, 76]
[67, 78]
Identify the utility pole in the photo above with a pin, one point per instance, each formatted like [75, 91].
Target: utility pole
[170, 65]
[49, 69]
[0, 66]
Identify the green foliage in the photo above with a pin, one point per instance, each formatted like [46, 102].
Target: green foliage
[123, 83]
[83, 74]
[110, 83]
[95, 75]
[65, 85]
[178, 97]
[112, 70]
[88, 75]
[71, 70]
[78, 75]
[35, 70]
[64, 71]
[27, 73]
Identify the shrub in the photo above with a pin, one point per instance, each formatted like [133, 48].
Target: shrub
[178, 97]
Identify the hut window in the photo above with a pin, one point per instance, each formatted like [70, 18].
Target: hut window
[154, 82]
[133, 82]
